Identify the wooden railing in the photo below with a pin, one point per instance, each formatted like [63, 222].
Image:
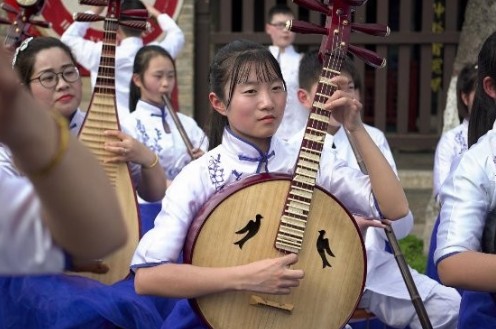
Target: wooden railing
[398, 99]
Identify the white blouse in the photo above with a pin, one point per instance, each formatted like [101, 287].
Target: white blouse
[26, 245]
[452, 144]
[295, 114]
[466, 197]
[146, 125]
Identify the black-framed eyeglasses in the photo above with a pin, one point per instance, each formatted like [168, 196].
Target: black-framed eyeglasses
[279, 26]
[50, 79]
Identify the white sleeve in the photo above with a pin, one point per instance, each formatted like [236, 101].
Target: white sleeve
[87, 52]
[466, 197]
[164, 242]
[442, 162]
[25, 242]
[174, 36]
[348, 185]
[6, 163]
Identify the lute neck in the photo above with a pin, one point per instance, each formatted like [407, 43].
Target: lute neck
[105, 82]
[297, 206]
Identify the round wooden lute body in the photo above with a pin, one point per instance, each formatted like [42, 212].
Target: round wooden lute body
[327, 295]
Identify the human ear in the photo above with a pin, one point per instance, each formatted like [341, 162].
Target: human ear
[465, 98]
[489, 87]
[304, 98]
[217, 104]
[137, 80]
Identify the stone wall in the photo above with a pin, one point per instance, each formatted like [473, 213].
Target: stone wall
[185, 62]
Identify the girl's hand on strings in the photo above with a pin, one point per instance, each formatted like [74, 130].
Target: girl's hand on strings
[127, 149]
[344, 106]
[271, 276]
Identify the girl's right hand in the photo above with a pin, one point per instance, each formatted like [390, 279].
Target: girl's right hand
[345, 108]
[272, 276]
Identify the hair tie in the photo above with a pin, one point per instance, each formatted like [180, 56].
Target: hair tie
[21, 47]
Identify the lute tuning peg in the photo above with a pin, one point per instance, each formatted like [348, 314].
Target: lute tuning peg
[378, 30]
[8, 8]
[99, 3]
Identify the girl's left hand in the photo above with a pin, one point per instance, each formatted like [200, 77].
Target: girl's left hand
[126, 148]
[345, 108]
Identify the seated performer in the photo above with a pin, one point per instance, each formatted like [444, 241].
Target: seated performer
[154, 77]
[43, 218]
[248, 97]
[451, 146]
[46, 66]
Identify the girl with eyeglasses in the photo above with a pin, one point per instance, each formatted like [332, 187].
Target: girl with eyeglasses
[47, 68]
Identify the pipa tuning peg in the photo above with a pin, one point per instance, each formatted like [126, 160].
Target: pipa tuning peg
[305, 27]
[369, 57]
[86, 17]
[100, 3]
[40, 23]
[379, 30]
[8, 8]
[314, 5]
[135, 14]
[138, 25]
[4, 21]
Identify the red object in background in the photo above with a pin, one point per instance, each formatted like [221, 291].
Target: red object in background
[60, 16]
[22, 21]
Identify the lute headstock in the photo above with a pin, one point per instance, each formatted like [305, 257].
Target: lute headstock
[23, 21]
[338, 28]
[334, 48]
[136, 18]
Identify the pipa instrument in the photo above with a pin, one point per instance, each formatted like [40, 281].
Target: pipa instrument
[101, 116]
[20, 26]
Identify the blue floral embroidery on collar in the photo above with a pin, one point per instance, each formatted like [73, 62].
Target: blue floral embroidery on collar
[461, 141]
[237, 174]
[216, 172]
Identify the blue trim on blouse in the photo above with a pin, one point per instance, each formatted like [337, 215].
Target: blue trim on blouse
[446, 256]
[262, 158]
[146, 265]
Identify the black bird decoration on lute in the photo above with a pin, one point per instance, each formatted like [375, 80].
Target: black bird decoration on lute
[323, 248]
[250, 229]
